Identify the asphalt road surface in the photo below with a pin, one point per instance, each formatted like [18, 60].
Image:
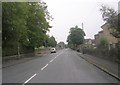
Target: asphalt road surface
[65, 66]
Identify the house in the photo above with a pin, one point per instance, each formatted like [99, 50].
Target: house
[105, 33]
[89, 41]
[96, 40]
[112, 41]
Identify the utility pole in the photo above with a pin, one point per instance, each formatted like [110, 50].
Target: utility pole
[82, 26]
[81, 46]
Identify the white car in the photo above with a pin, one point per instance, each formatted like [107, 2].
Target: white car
[53, 50]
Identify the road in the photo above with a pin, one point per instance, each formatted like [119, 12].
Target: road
[65, 66]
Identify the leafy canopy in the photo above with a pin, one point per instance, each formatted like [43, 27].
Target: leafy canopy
[24, 24]
[110, 16]
[76, 36]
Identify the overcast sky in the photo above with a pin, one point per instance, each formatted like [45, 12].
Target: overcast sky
[69, 13]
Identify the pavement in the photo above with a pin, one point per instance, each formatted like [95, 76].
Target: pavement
[18, 61]
[108, 66]
[12, 62]
[65, 66]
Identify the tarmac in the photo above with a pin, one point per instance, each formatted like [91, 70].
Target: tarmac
[112, 68]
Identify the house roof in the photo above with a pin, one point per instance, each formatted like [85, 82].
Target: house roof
[101, 31]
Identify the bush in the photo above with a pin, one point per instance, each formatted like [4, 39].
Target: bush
[7, 51]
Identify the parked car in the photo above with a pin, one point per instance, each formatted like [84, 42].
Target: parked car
[53, 50]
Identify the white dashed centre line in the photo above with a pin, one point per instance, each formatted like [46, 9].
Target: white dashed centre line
[29, 79]
[44, 67]
[41, 69]
[54, 58]
[51, 60]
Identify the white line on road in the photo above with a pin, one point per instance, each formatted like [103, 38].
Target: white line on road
[29, 79]
[54, 58]
[44, 67]
[58, 54]
[51, 60]
[41, 69]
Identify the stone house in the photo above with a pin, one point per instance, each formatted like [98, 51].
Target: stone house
[105, 33]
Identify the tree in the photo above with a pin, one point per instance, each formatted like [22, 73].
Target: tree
[113, 19]
[75, 37]
[110, 16]
[51, 41]
[61, 45]
[25, 25]
[103, 43]
[14, 28]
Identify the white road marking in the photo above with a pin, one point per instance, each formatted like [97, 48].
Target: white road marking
[29, 79]
[41, 69]
[44, 67]
[58, 54]
[52, 60]
[55, 58]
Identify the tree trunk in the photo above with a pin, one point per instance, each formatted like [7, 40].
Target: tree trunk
[18, 50]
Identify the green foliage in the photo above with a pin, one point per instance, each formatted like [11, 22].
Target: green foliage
[110, 16]
[75, 37]
[25, 25]
[103, 43]
[51, 42]
[113, 19]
